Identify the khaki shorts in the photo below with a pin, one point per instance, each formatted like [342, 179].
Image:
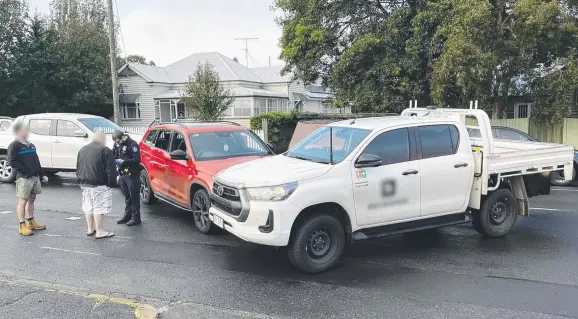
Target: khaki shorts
[27, 188]
[96, 200]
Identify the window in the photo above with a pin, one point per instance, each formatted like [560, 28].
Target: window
[226, 144]
[512, 135]
[181, 111]
[271, 105]
[522, 110]
[157, 110]
[4, 125]
[40, 127]
[66, 128]
[163, 140]
[242, 107]
[131, 111]
[150, 139]
[99, 124]
[436, 140]
[392, 146]
[178, 143]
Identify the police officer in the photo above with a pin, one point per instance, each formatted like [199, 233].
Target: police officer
[127, 155]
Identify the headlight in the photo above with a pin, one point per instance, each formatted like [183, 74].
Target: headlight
[273, 193]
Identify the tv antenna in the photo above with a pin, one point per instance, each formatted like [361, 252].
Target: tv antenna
[246, 49]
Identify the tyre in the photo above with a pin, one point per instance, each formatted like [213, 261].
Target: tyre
[317, 244]
[7, 174]
[200, 205]
[558, 178]
[50, 173]
[497, 215]
[147, 196]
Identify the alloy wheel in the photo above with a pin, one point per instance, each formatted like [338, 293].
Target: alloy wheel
[144, 188]
[5, 169]
[201, 212]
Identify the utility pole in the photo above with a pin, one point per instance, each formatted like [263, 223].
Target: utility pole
[246, 47]
[113, 69]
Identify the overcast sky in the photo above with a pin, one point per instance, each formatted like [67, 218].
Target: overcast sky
[166, 31]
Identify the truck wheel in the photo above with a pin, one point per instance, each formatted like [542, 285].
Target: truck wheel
[146, 192]
[201, 204]
[558, 178]
[317, 244]
[7, 174]
[497, 215]
[50, 173]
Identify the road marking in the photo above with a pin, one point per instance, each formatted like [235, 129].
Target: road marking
[141, 310]
[70, 251]
[552, 209]
[50, 235]
[123, 237]
[6, 212]
[565, 189]
[73, 218]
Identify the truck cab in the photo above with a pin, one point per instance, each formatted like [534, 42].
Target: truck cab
[366, 178]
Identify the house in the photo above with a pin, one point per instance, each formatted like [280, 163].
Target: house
[149, 93]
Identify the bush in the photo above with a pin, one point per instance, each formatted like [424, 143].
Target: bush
[277, 122]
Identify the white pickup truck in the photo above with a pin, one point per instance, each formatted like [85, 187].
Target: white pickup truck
[58, 137]
[373, 177]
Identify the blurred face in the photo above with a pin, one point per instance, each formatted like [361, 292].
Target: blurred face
[22, 133]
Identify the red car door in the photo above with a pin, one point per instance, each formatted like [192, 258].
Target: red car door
[180, 173]
[157, 162]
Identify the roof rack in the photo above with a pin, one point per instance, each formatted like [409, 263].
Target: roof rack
[155, 122]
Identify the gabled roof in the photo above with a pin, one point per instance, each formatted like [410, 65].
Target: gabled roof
[272, 74]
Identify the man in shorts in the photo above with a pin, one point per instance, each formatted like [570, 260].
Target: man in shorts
[24, 159]
[96, 174]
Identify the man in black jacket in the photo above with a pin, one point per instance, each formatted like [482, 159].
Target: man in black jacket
[96, 174]
[127, 160]
[23, 158]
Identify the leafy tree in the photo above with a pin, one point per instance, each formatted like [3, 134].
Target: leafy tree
[135, 58]
[204, 96]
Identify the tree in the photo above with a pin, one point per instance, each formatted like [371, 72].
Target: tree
[135, 58]
[235, 59]
[204, 96]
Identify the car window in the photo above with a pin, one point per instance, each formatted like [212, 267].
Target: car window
[66, 128]
[163, 140]
[391, 146]
[178, 143]
[436, 140]
[40, 127]
[4, 125]
[512, 135]
[150, 139]
[226, 144]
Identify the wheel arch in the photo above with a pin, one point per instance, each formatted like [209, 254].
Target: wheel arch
[196, 186]
[330, 208]
[3, 151]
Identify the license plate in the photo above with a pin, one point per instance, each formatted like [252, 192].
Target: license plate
[218, 221]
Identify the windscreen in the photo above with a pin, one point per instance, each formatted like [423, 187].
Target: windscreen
[99, 124]
[227, 144]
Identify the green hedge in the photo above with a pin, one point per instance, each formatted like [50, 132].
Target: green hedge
[278, 122]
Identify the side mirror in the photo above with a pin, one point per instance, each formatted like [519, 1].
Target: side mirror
[368, 160]
[80, 133]
[271, 146]
[178, 155]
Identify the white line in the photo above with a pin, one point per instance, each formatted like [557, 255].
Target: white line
[6, 212]
[73, 218]
[50, 235]
[565, 189]
[123, 237]
[70, 251]
[551, 209]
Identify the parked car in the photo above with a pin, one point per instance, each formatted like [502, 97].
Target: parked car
[179, 162]
[58, 137]
[508, 133]
[5, 137]
[367, 178]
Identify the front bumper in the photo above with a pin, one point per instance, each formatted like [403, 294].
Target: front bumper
[265, 223]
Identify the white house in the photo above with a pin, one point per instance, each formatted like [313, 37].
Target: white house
[151, 93]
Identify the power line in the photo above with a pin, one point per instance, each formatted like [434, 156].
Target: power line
[120, 28]
[246, 47]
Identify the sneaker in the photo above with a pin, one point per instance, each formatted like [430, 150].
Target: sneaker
[33, 225]
[23, 230]
[124, 220]
[133, 222]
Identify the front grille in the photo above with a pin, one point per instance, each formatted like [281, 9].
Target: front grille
[228, 192]
[222, 207]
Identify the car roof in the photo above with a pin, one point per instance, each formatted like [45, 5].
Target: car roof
[70, 116]
[372, 123]
[201, 127]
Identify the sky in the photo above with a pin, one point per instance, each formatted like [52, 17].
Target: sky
[166, 31]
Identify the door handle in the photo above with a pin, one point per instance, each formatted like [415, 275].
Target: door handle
[410, 172]
[458, 165]
[57, 142]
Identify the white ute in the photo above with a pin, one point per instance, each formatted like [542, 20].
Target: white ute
[373, 177]
[58, 137]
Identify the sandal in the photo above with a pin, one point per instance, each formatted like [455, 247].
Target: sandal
[91, 234]
[108, 235]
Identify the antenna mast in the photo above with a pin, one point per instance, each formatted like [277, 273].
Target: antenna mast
[246, 49]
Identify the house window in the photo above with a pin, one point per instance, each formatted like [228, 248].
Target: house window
[157, 110]
[181, 111]
[131, 111]
[522, 110]
[242, 107]
[271, 105]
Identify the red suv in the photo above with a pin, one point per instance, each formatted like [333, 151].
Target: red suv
[179, 162]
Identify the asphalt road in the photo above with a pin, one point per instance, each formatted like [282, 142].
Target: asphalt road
[166, 263]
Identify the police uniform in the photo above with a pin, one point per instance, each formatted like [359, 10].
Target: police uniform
[129, 179]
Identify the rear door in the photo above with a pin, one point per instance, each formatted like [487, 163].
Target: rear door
[446, 170]
[390, 192]
[40, 136]
[158, 162]
[66, 144]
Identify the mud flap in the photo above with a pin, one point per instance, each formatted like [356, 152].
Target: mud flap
[519, 190]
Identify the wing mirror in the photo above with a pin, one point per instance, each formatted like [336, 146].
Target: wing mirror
[179, 155]
[80, 133]
[368, 160]
[271, 146]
